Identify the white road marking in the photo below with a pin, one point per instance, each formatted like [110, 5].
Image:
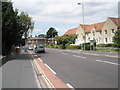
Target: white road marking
[50, 69]
[107, 62]
[36, 55]
[65, 53]
[79, 56]
[40, 59]
[69, 85]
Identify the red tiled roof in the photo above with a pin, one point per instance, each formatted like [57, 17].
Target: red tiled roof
[71, 31]
[116, 21]
[97, 26]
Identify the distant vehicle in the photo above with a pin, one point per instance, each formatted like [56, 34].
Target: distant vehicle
[39, 48]
[30, 47]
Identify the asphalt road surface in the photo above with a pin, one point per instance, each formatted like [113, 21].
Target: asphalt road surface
[82, 70]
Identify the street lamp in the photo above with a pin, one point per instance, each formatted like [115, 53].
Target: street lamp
[84, 37]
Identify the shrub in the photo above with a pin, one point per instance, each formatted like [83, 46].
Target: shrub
[73, 47]
[87, 46]
[48, 46]
[106, 45]
[52, 46]
[56, 46]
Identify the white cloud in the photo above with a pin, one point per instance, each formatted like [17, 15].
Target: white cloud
[66, 11]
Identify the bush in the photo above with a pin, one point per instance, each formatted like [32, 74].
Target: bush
[73, 47]
[55, 46]
[48, 46]
[52, 46]
[87, 46]
[106, 45]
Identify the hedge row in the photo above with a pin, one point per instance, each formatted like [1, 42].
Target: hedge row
[107, 45]
[73, 47]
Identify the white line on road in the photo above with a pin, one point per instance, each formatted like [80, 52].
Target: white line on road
[50, 69]
[69, 85]
[79, 56]
[40, 59]
[36, 55]
[65, 53]
[107, 62]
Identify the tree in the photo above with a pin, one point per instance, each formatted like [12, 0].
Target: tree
[116, 38]
[14, 26]
[9, 27]
[42, 35]
[65, 40]
[52, 32]
[27, 24]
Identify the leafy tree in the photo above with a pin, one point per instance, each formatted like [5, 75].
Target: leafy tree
[27, 24]
[116, 38]
[52, 32]
[65, 40]
[42, 35]
[9, 27]
[14, 26]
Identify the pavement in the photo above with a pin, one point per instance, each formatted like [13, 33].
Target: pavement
[19, 71]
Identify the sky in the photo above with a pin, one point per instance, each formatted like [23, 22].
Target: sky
[65, 14]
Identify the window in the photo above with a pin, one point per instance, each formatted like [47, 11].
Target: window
[106, 40]
[99, 39]
[113, 31]
[77, 35]
[105, 31]
[100, 32]
[93, 33]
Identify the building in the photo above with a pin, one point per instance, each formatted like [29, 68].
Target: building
[101, 33]
[39, 40]
[36, 40]
[71, 31]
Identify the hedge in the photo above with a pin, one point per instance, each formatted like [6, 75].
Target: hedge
[73, 47]
[106, 45]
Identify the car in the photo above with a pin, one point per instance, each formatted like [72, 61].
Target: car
[39, 48]
[30, 47]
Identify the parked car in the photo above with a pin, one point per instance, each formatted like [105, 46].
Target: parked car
[30, 47]
[39, 48]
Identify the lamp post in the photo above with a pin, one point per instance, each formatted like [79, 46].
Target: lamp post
[84, 37]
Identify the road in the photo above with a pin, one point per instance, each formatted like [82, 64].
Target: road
[82, 70]
[18, 72]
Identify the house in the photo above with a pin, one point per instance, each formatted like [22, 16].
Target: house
[71, 31]
[36, 40]
[110, 27]
[39, 40]
[102, 32]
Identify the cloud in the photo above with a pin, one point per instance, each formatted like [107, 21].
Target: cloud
[66, 13]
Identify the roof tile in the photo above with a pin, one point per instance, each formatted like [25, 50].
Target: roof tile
[71, 31]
